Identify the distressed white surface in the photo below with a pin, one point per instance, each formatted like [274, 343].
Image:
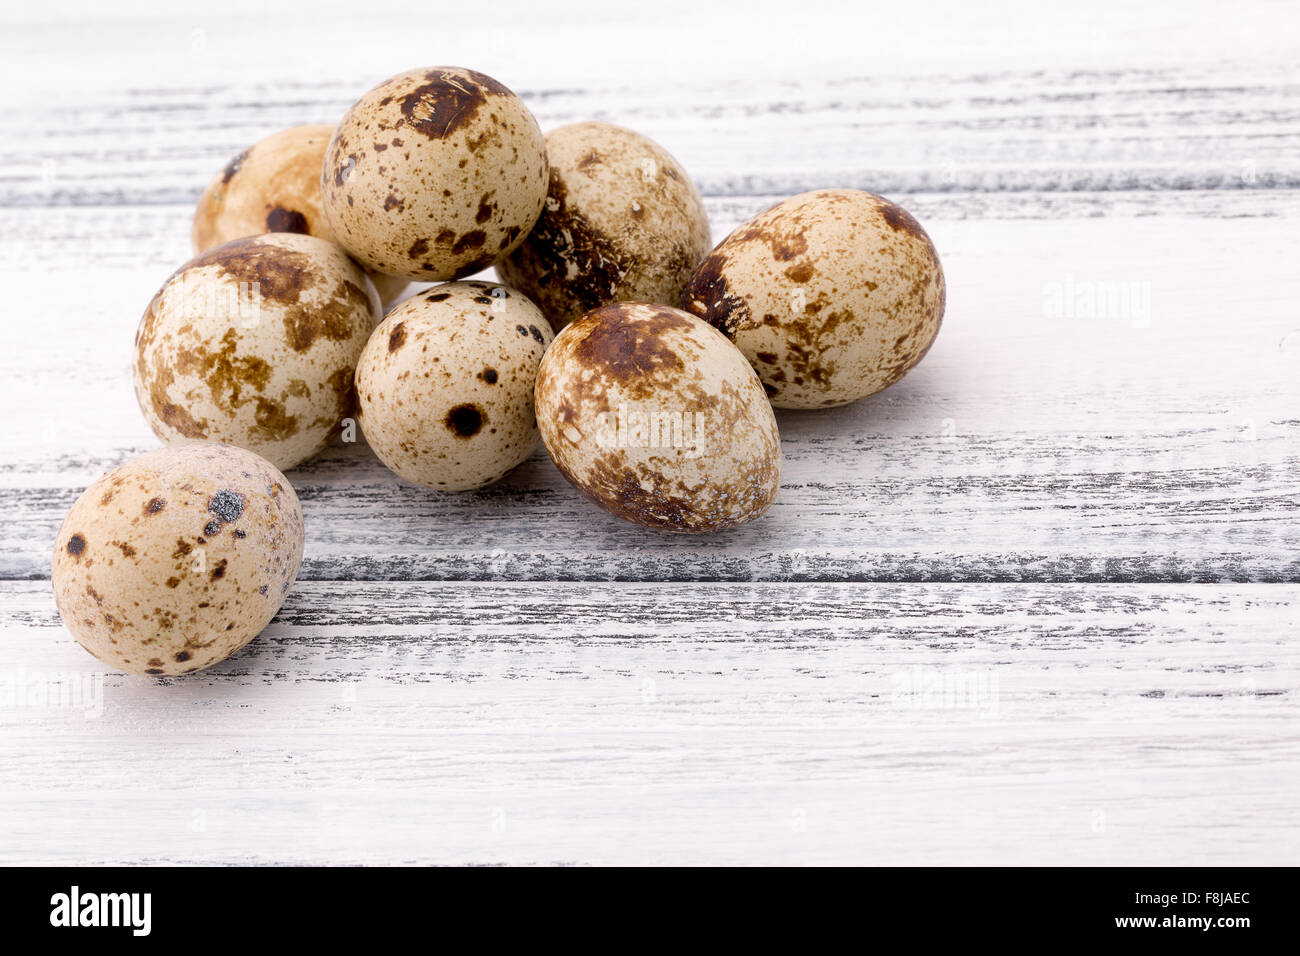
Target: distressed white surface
[1130, 706]
[683, 723]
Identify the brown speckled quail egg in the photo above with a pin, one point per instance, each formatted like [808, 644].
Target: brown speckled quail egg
[434, 174]
[176, 559]
[832, 295]
[273, 186]
[254, 343]
[623, 223]
[657, 418]
[446, 385]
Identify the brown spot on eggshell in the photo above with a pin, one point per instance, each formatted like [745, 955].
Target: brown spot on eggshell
[397, 337]
[801, 272]
[627, 351]
[707, 296]
[232, 167]
[465, 421]
[168, 412]
[448, 100]
[280, 219]
[471, 240]
[280, 277]
[334, 319]
[900, 219]
[225, 371]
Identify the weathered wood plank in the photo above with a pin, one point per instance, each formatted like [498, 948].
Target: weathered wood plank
[381, 722]
[1186, 128]
[1157, 443]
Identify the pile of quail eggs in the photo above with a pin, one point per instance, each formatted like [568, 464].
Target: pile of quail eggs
[647, 364]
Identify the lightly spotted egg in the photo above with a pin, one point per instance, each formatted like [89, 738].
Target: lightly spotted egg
[434, 174]
[254, 343]
[832, 295]
[446, 385]
[176, 559]
[273, 186]
[658, 419]
[623, 223]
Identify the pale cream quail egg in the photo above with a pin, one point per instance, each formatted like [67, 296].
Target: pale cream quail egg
[176, 559]
[273, 186]
[446, 384]
[434, 174]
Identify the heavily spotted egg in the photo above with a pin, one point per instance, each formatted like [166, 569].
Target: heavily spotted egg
[623, 223]
[657, 418]
[254, 343]
[832, 295]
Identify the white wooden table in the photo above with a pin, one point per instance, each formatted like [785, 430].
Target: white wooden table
[1037, 603]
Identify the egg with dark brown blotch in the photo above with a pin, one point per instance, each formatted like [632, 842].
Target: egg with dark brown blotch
[832, 295]
[254, 343]
[273, 186]
[176, 559]
[434, 174]
[623, 223]
[658, 419]
[446, 385]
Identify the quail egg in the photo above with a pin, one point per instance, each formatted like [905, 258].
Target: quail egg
[434, 174]
[176, 559]
[833, 295]
[254, 343]
[273, 186]
[446, 385]
[657, 418]
[623, 223]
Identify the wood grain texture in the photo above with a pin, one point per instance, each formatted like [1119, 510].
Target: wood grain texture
[1037, 603]
[1031, 130]
[679, 723]
[1160, 444]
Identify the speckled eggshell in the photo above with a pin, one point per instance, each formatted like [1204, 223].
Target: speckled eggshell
[176, 559]
[446, 385]
[254, 343]
[273, 186]
[623, 223]
[434, 174]
[832, 295]
[657, 418]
